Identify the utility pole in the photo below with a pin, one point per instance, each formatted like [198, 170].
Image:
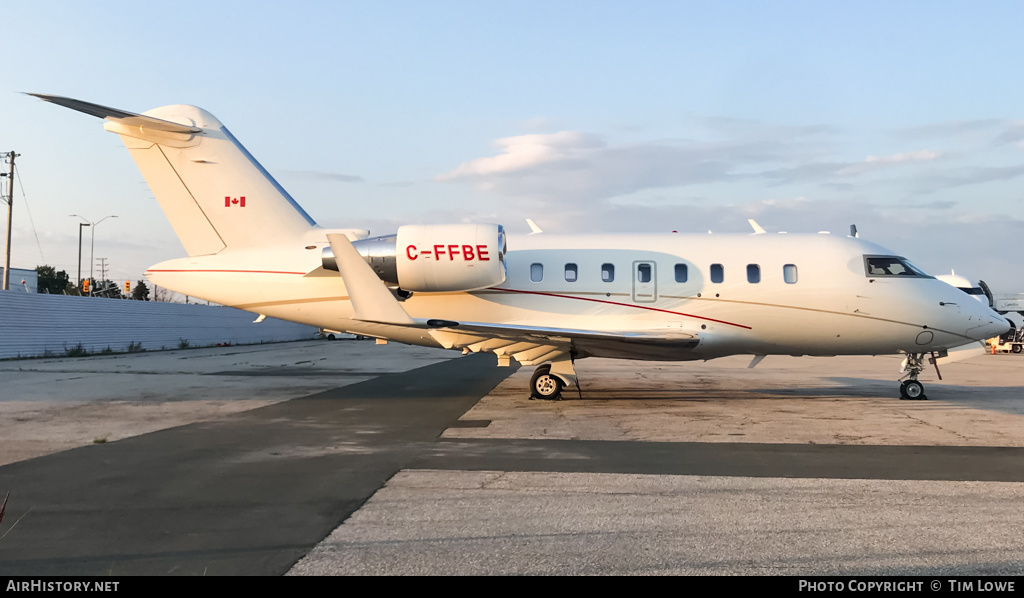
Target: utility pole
[10, 209]
[103, 267]
[105, 288]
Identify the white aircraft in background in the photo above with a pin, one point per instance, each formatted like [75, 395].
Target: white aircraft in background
[541, 299]
[979, 291]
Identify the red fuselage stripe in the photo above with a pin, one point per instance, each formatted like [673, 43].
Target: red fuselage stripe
[616, 303]
[664, 311]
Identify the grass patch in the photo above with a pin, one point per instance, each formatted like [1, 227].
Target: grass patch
[76, 351]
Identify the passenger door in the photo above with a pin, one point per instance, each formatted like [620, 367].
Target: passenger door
[645, 282]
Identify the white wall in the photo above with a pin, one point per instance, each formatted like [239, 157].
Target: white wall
[33, 324]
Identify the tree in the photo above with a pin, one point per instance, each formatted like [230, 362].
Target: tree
[49, 280]
[161, 294]
[140, 292]
[108, 289]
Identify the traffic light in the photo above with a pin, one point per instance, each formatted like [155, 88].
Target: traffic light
[85, 286]
[127, 287]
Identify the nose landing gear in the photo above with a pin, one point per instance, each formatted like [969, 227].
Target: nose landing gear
[911, 389]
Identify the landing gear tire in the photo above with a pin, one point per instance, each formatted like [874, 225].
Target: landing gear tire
[544, 385]
[912, 390]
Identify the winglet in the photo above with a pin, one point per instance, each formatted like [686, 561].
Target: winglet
[757, 227]
[122, 117]
[533, 227]
[371, 299]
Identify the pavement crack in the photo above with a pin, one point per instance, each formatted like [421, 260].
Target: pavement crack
[937, 426]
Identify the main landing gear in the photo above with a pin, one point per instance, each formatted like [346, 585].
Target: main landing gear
[549, 379]
[911, 389]
[545, 385]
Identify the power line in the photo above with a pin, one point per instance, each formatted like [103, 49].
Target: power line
[24, 200]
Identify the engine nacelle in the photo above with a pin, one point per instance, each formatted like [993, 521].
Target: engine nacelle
[450, 257]
[435, 258]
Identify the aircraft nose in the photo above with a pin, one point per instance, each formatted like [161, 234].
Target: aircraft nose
[1001, 326]
[988, 325]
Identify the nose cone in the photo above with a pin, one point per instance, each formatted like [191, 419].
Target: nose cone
[985, 323]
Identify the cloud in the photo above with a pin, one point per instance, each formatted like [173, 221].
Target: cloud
[577, 167]
[526, 152]
[962, 177]
[952, 129]
[1014, 133]
[822, 172]
[878, 162]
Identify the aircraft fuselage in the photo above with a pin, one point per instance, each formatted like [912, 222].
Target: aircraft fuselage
[791, 294]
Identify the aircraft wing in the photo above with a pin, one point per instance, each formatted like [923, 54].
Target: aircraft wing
[536, 344]
[373, 303]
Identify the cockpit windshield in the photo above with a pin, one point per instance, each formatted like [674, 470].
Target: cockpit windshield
[890, 265]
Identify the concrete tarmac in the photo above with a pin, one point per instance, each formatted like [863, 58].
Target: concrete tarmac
[802, 467]
[245, 494]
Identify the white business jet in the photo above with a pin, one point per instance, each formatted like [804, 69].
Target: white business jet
[541, 299]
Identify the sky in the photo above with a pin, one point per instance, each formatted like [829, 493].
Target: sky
[905, 119]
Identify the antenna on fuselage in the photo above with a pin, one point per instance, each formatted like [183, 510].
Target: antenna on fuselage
[853, 231]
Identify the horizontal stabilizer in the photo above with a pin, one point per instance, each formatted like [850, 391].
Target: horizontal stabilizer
[212, 190]
[129, 119]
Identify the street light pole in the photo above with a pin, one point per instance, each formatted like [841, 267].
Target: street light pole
[92, 246]
[80, 225]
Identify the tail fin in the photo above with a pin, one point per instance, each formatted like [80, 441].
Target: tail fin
[212, 190]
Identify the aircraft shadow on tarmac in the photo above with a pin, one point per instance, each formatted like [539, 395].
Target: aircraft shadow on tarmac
[845, 387]
[996, 398]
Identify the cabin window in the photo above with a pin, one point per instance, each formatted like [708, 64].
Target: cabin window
[753, 273]
[717, 273]
[643, 273]
[682, 273]
[536, 272]
[570, 273]
[607, 272]
[890, 265]
[789, 273]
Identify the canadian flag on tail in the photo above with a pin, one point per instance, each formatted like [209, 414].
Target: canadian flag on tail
[234, 201]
